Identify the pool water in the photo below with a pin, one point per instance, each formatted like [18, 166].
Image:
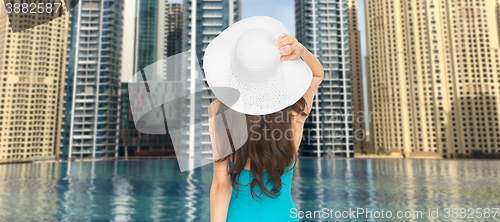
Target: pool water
[155, 190]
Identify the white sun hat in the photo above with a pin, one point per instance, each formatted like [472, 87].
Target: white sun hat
[245, 57]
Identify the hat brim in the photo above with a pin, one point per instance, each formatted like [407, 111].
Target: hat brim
[283, 90]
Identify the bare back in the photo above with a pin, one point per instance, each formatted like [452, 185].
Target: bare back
[297, 124]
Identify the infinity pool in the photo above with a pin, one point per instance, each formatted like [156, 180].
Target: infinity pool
[155, 190]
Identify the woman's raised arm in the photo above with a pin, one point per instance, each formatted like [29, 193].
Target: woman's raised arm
[287, 44]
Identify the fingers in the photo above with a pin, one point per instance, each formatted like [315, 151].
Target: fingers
[284, 39]
[286, 49]
[283, 35]
[284, 42]
[291, 56]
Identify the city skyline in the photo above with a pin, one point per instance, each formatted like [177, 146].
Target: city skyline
[331, 29]
[106, 113]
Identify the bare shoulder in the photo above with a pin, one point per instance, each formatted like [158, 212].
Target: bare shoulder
[214, 106]
[309, 98]
[298, 119]
[215, 102]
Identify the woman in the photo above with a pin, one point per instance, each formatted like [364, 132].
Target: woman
[252, 179]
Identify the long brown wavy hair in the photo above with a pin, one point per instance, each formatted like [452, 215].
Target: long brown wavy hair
[266, 152]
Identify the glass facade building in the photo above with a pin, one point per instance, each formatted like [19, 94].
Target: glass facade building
[174, 32]
[323, 27]
[90, 119]
[146, 33]
[151, 32]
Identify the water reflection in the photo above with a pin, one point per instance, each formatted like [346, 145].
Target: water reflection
[28, 192]
[190, 196]
[156, 190]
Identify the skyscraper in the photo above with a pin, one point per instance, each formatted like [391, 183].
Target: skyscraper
[203, 21]
[151, 28]
[174, 29]
[433, 75]
[93, 80]
[329, 30]
[360, 133]
[31, 82]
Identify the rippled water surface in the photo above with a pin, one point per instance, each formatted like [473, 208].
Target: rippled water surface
[155, 190]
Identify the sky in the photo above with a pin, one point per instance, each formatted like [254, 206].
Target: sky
[282, 10]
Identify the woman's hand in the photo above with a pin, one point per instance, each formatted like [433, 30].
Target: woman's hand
[291, 45]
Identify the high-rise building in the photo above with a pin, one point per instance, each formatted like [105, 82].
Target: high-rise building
[360, 134]
[204, 21]
[151, 28]
[433, 75]
[32, 62]
[174, 29]
[93, 80]
[329, 30]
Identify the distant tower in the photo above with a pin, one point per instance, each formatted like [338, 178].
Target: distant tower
[329, 30]
[151, 28]
[93, 79]
[174, 30]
